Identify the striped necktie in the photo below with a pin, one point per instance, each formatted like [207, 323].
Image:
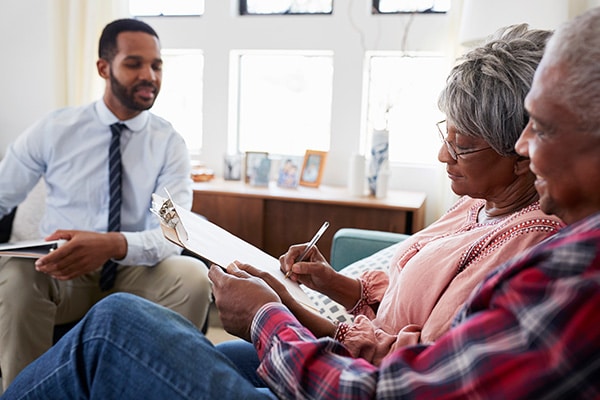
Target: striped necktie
[109, 270]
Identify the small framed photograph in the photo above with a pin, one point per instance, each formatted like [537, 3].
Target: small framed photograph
[254, 160]
[312, 168]
[232, 168]
[261, 174]
[289, 171]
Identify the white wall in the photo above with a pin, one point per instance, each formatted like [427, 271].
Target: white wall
[32, 84]
[28, 79]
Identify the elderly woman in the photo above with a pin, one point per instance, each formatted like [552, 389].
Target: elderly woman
[497, 216]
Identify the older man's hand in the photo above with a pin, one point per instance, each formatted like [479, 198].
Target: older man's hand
[238, 297]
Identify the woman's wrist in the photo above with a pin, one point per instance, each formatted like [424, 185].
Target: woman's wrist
[341, 331]
[362, 300]
[347, 291]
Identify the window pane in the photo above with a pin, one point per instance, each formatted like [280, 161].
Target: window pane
[284, 102]
[286, 6]
[166, 7]
[396, 6]
[180, 97]
[403, 94]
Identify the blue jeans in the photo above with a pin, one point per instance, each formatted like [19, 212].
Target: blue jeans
[243, 355]
[129, 348]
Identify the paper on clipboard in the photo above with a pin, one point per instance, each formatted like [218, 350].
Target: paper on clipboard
[30, 248]
[215, 244]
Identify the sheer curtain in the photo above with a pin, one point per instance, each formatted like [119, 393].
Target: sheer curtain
[78, 29]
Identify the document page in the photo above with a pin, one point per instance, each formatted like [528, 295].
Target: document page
[29, 248]
[221, 247]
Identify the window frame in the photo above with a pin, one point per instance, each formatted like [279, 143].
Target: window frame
[243, 10]
[375, 10]
[168, 53]
[233, 135]
[202, 3]
[367, 125]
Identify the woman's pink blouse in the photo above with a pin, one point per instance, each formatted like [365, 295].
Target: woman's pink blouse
[433, 273]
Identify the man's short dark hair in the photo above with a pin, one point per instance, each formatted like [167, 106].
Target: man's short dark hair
[107, 48]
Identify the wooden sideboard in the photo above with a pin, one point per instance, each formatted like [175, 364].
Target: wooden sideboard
[273, 218]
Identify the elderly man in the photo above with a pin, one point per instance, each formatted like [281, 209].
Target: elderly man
[529, 331]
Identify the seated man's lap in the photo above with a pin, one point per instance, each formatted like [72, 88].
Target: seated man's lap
[179, 283]
[244, 357]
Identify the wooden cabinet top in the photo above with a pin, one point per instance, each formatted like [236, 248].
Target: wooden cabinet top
[396, 199]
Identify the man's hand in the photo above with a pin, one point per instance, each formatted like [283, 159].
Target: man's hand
[318, 325]
[238, 297]
[82, 253]
[286, 298]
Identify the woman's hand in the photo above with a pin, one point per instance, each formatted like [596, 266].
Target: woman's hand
[313, 272]
[316, 273]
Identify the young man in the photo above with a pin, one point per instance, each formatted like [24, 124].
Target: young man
[93, 174]
[529, 331]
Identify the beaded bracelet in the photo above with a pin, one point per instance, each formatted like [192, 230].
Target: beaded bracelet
[341, 331]
[362, 302]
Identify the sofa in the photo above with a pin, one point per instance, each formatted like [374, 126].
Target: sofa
[22, 224]
[354, 251]
[350, 245]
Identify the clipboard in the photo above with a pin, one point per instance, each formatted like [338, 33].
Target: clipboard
[30, 248]
[211, 242]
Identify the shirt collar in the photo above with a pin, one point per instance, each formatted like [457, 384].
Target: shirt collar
[134, 124]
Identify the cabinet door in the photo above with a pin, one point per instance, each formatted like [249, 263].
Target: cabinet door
[242, 216]
[291, 222]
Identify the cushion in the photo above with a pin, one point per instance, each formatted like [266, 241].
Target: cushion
[379, 261]
[26, 225]
[6, 225]
[351, 244]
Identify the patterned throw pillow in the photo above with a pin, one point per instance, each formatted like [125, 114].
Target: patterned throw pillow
[379, 261]
[26, 225]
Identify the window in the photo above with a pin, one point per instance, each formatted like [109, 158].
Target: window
[402, 97]
[410, 6]
[249, 7]
[180, 97]
[166, 7]
[283, 101]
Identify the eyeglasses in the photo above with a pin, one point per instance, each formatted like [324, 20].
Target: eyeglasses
[443, 130]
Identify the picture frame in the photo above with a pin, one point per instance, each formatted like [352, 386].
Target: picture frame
[289, 171]
[252, 163]
[232, 168]
[262, 173]
[312, 168]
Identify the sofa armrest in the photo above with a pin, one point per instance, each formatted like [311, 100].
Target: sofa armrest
[351, 244]
[6, 223]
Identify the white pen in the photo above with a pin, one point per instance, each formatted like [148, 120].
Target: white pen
[311, 244]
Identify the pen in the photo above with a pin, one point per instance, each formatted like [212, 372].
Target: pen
[311, 244]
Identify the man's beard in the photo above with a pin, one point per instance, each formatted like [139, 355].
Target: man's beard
[127, 96]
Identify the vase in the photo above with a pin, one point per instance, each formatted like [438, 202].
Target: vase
[379, 157]
[357, 176]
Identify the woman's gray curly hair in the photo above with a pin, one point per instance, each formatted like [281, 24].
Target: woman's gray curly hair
[485, 91]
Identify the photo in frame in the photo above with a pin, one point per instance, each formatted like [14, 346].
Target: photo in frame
[232, 168]
[289, 171]
[261, 174]
[312, 168]
[255, 163]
